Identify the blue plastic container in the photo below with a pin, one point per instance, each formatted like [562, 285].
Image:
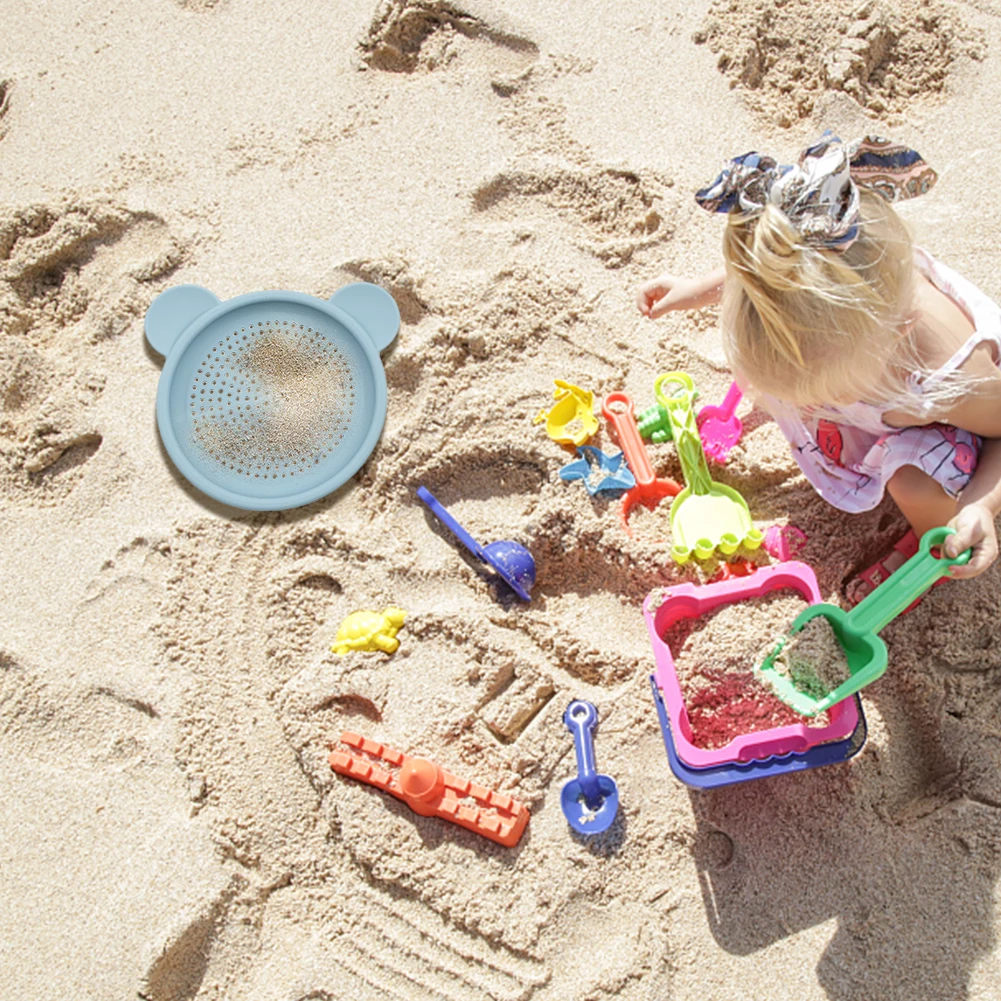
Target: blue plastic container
[723, 775]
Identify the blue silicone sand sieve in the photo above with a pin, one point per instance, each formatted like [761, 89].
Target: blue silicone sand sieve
[271, 400]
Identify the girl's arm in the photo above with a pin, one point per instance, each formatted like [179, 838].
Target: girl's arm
[979, 505]
[980, 502]
[667, 292]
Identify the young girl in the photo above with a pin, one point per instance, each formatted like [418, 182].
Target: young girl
[879, 364]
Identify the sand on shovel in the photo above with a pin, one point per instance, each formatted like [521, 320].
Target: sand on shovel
[813, 659]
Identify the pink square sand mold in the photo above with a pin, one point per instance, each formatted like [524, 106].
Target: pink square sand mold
[665, 606]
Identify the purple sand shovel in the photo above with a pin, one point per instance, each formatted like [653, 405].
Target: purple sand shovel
[512, 561]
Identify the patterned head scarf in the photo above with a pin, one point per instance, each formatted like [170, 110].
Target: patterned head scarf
[820, 194]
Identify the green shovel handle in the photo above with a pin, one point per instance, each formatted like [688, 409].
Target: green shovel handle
[681, 415]
[905, 584]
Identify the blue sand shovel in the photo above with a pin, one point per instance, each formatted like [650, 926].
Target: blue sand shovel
[511, 560]
[590, 801]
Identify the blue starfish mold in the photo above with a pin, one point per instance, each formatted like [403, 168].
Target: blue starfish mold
[603, 475]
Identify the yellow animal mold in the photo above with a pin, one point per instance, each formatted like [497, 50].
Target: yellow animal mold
[570, 421]
[370, 631]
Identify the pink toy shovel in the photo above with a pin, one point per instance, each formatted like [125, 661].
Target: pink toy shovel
[720, 427]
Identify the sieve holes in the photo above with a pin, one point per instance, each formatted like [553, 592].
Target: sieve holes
[263, 427]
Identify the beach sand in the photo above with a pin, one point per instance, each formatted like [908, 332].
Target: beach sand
[171, 829]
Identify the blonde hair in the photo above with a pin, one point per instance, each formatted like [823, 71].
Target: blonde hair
[816, 326]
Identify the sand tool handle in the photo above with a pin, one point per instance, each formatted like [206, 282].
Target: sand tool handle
[905, 584]
[624, 423]
[450, 523]
[730, 402]
[684, 430]
[580, 718]
[373, 308]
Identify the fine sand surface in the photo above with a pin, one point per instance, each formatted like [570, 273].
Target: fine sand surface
[170, 827]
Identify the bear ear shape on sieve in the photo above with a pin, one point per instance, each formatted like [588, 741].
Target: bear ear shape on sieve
[173, 311]
[373, 308]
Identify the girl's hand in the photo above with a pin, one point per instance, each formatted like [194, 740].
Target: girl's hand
[974, 525]
[665, 292]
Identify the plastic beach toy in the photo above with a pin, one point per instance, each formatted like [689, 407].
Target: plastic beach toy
[719, 427]
[431, 791]
[716, 776]
[589, 801]
[602, 475]
[653, 424]
[706, 515]
[570, 421]
[649, 490]
[735, 568]
[512, 561]
[274, 399]
[856, 630]
[370, 631]
[664, 607]
[783, 542]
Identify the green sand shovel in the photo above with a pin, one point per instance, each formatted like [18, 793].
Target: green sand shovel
[856, 630]
[706, 515]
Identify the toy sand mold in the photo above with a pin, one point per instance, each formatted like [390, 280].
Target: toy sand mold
[706, 516]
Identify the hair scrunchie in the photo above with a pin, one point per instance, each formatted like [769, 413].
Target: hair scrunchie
[820, 194]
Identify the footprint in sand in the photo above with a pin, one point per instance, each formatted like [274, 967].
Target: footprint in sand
[74, 726]
[74, 276]
[614, 212]
[611, 212]
[79, 773]
[92, 752]
[406, 36]
[114, 712]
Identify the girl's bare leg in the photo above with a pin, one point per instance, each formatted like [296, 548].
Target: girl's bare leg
[921, 500]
